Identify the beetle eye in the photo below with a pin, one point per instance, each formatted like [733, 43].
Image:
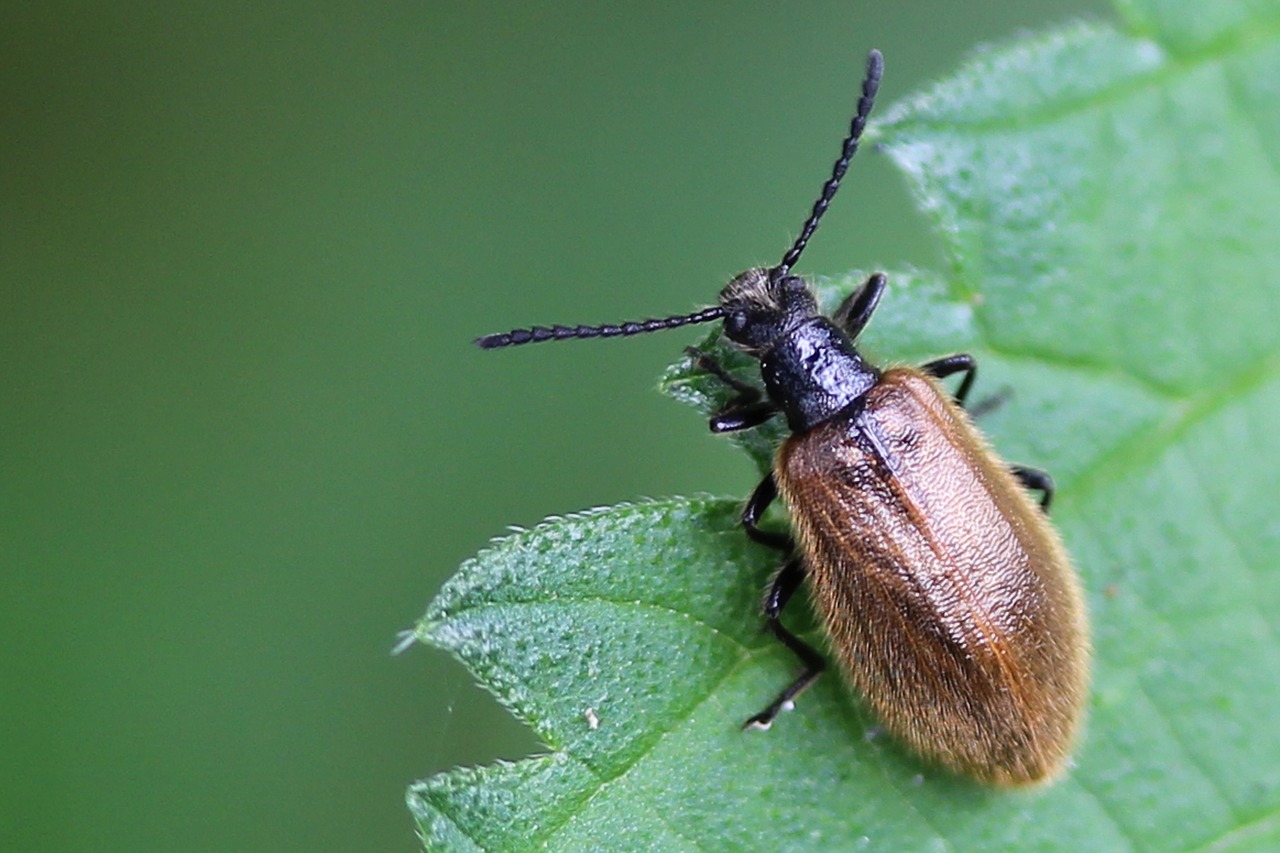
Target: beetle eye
[735, 323]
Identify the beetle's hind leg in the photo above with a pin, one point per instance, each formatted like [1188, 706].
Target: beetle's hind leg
[785, 583]
[748, 409]
[1032, 479]
[965, 363]
[960, 363]
[1037, 481]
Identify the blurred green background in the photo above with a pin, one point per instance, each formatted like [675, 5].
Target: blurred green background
[244, 435]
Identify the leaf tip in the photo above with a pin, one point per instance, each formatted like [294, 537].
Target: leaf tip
[404, 639]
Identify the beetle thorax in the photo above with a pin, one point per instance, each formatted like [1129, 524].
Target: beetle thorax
[814, 372]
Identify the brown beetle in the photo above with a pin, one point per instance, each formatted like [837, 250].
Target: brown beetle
[946, 594]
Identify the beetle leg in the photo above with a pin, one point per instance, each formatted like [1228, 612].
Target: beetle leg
[735, 418]
[961, 363]
[744, 411]
[856, 310]
[704, 361]
[765, 494]
[785, 583]
[1037, 481]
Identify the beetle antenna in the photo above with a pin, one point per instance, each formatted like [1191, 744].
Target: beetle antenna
[538, 334]
[870, 84]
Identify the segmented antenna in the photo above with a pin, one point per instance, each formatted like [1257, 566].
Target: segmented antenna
[870, 84]
[538, 334]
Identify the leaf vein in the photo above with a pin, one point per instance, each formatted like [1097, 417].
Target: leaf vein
[646, 749]
[1140, 448]
[1246, 569]
[1101, 802]
[1265, 827]
[1191, 759]
[492, 606]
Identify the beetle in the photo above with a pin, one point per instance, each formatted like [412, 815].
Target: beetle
[947, 596]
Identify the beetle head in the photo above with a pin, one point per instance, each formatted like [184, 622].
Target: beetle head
[761, 305]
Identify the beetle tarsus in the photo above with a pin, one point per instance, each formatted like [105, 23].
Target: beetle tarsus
[1037, 481]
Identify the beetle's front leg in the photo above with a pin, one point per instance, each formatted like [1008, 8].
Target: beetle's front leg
[746, 410]
[856, 310]
[765, 494]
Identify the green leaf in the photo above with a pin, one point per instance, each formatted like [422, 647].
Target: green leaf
[1110, 204]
